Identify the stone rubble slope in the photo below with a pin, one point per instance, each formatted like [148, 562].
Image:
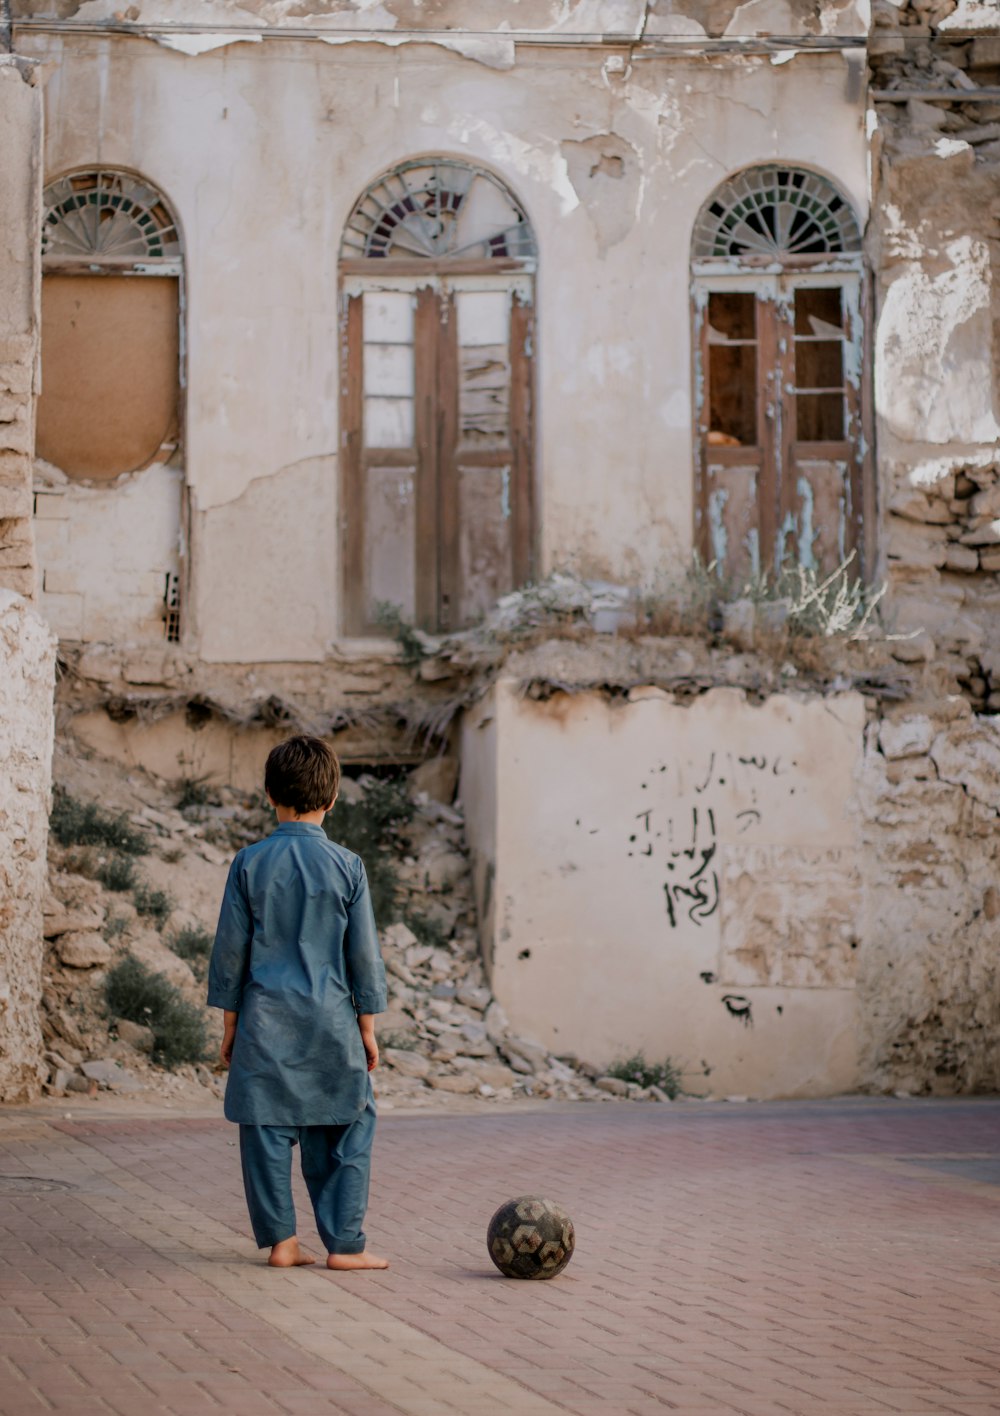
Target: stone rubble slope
[443, 1036]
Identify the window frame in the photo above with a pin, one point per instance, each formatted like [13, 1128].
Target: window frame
[776, 277]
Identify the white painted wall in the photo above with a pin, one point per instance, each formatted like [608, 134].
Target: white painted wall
[738, 814]
[105, 553]
[263, 148]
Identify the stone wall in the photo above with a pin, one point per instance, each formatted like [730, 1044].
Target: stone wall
[935, 250]
[680, 879]
[27, 647]
[20, 177]
[27, 668]
[929, 972]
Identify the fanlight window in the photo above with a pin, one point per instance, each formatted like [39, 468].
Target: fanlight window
[776, 212]
[107, 215]
[438, 210]
[111, 261]
[778, 290]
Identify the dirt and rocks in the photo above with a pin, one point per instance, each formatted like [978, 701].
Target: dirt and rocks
[444, 1037]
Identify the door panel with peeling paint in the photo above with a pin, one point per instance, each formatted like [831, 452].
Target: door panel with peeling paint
[778, 422]
[437, 497]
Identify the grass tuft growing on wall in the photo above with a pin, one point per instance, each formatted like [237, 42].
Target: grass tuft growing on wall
[666, 1074]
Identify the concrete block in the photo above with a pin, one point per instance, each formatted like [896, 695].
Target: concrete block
[15, 502]
[64, 613]
[60, 581]
[16, 349]
[16, 436]
[17, 378]
[961, 558]
[22, 582]
[51, 506]
[985, 52]
[19, 555]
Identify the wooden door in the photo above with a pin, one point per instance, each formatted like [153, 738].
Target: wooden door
[437, 493]
[778, 423]
[820, 495]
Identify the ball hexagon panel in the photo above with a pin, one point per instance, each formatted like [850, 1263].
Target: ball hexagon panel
[530, 1237]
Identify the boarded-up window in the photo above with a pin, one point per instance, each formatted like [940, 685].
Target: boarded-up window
[437, 272]
[110, 326]
[777, 294]
[109, 372]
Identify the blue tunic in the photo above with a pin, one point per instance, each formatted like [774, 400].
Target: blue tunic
[296, 955]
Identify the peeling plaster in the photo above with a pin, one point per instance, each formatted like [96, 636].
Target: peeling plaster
[606, 174]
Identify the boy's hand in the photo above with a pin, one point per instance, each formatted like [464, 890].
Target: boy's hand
[366, 1022]
[228, 1038]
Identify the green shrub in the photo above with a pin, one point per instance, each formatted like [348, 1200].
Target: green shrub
[114, 927]
[666, 1074]
[133, 991]
[195, 945]
[117, 873]
[195, 791]
[156, 904]
[84, 823]
[371, 828]
[390, 617]
[428, 930]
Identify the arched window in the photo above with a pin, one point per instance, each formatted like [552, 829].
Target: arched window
[777, 290]
[437, 276]
[111, 264]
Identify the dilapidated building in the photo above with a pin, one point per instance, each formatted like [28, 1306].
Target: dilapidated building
[362, 315]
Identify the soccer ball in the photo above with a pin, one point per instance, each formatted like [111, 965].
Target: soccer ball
[530, 1238]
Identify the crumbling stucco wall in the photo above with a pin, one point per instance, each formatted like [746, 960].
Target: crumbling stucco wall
[935, 250]
[679, 880]
[929, 972]
[27, 672]
[259, 149]
[20, 175]
[106, 553]
[27, 646]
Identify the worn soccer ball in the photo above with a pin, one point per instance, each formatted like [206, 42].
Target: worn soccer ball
[530, 1238]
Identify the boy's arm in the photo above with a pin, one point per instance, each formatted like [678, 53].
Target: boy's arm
[365, 969]
[227, 970]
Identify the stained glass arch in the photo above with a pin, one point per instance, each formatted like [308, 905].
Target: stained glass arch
[438, 209]
[105, 214]
[775, 212]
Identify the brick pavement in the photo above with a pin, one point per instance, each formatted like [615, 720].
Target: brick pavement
[839, 1258]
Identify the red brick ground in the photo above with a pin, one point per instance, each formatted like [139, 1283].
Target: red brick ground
[839, 1257]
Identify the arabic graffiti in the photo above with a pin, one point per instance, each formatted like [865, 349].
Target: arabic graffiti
[685, 837]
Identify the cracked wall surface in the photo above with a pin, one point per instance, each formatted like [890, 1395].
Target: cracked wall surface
[692, 891]
[611, 161]
[27, 647]
[20, 143]
[935, 250]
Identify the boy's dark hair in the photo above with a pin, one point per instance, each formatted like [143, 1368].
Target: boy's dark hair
[302, 773]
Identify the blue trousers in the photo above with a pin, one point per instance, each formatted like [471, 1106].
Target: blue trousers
[336, 1166]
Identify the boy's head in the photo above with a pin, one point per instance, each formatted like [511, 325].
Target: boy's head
[302, 774]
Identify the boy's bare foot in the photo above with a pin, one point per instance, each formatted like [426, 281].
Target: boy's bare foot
[289, 1254]
[344, 1262]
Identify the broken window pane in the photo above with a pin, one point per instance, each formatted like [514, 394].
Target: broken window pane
[819, 311]
[732, 369]
[819, 364]
[820, 417]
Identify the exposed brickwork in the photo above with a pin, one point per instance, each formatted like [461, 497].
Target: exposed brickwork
[756, 1260]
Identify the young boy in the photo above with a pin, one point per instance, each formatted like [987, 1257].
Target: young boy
[297, 969]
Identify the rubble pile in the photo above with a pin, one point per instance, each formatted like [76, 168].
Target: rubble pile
[443, 1036]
